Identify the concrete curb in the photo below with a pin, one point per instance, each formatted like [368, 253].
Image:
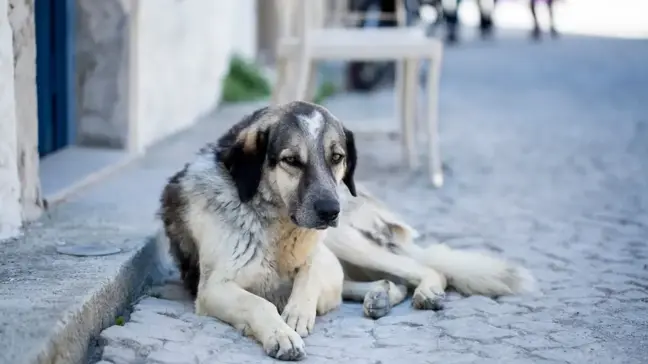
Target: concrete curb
[75, 327]
[72, 341]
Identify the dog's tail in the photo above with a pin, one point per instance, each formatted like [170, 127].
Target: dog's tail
[474, 272]
[468, 271]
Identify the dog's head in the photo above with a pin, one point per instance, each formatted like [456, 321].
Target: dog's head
[300, 153]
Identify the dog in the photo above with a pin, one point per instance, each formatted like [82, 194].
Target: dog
[269, 230]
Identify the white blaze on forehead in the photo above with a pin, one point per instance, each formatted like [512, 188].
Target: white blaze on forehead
[312, 123]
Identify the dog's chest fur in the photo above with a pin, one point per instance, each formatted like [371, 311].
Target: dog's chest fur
[293, 247]
[286, 250]
[250, 244]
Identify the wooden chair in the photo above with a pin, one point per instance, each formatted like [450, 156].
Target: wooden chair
[304, 40]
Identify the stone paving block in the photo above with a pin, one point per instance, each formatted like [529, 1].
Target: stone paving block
[120, 355]
[501, 351]
[171, 357]
[162, 306]
[474, 329]
[536, 326]
[594, 354]
[531, 342]
[401, 335]
[152, 329]
[123, 336]
[160, 320]
[573, 338]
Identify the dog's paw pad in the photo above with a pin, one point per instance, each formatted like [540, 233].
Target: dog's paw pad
[286, 345]
[300, 319]
[376, 304]
[421, 301]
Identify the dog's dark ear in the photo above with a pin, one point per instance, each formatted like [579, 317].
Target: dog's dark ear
[242, 150]
[351, 160]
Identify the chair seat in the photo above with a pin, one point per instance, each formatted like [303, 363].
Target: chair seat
[364, 44]
[297, 57]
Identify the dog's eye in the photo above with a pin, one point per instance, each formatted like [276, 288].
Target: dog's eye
[337, 158]
[291, 161]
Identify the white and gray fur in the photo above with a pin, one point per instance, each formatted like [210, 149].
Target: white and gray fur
[259, 226]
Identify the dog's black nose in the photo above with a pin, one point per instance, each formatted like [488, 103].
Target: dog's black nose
[327, 210]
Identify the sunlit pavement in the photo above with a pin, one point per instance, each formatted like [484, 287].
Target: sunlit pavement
[610, 18]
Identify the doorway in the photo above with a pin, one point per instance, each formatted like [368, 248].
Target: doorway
[55, 33]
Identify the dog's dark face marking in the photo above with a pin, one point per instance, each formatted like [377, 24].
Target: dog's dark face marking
[301, 152]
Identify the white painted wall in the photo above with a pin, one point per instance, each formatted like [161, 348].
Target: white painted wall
[10, 210]
[184, 49]
[21, 18]
[171, 54]
[244, 35]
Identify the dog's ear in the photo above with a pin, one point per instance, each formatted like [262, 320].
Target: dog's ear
[351, 160]
[242, 150]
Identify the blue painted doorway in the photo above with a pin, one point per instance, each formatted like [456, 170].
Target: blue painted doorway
[55, 74]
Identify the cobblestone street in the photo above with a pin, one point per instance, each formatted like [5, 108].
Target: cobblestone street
[546, 154]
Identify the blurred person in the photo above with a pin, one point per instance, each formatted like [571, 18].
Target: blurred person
[536, 32]
[451, 17]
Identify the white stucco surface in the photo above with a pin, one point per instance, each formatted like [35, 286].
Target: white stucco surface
[149, 69]
[184, 49]
[10, 210]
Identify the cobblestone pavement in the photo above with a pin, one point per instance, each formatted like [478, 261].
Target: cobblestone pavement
[546, 149]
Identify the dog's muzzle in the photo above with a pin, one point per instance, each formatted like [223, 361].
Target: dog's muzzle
[327, 211]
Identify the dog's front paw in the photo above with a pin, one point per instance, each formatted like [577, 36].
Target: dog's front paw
[300, 317]
[285, 344]
[425, 298]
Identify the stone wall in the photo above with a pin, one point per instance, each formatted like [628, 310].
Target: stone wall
[174, 67]
[102, 71]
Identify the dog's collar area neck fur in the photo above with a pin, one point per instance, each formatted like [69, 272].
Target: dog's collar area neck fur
[267, 210]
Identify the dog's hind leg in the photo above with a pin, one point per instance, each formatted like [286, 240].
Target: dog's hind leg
[377, 297]
[350, 245]
[252, 314]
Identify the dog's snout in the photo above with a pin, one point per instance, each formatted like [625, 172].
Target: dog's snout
[327, 210]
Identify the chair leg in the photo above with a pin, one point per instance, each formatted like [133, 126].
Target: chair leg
[435, 168]
[305, 72]
[409, 112]
[400, 94]
[311, 82]
[281, 83]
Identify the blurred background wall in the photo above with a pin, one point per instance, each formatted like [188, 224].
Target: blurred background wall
[146, 69]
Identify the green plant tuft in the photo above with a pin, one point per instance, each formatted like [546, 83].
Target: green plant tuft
[324, 91]
[120, 321]
[245, 82]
